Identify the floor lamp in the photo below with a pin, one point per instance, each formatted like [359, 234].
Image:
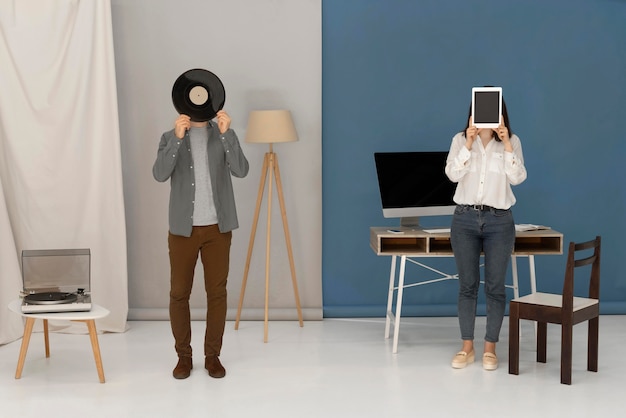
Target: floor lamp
[269, 127]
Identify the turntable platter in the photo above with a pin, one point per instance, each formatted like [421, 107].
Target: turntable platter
[50, 298]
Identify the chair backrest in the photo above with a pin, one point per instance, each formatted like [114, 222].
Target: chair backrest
[577, 257]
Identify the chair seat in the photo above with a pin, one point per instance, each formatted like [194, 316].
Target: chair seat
[550, 299]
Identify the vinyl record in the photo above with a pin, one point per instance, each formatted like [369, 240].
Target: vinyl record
[50, 298]
[199, 94]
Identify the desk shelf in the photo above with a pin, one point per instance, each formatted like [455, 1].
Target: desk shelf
[526, 244]
[394, 244]
[440, 245]
[416, 242]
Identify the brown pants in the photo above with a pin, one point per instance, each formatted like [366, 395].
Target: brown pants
[214, 249]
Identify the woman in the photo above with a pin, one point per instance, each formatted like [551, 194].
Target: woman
[485, 163]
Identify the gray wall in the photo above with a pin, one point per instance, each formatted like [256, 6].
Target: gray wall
[268, 55]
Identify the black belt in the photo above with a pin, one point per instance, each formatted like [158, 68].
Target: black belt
[483, 208]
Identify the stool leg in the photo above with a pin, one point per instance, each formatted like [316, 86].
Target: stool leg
[28, 330]
[93, 335]
[46, 337]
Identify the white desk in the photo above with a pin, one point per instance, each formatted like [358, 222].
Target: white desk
[416, 243]
[87, 317]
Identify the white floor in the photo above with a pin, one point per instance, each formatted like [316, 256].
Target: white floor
[330, 368]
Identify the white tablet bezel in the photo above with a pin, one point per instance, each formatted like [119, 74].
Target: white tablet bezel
[487, 89]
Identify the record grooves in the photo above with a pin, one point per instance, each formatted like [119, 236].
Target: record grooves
[50, 298]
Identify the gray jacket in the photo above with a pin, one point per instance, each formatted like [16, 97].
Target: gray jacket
[174, 162]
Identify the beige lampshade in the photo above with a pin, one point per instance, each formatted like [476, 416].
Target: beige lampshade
[271, 126]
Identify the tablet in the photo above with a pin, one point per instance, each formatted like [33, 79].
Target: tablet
[486, 106]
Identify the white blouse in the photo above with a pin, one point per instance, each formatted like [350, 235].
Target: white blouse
[485, 174]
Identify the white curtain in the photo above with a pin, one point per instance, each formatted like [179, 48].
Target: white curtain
[60, 160]
[10, 283]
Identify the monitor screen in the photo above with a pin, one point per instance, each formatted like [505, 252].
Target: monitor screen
[414, 184]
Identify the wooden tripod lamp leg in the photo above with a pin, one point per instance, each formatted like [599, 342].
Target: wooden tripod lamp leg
[252, 236]
[270, 169]
[268, 244]
[283, 212]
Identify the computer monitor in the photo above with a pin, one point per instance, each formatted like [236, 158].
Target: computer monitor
[414, 184]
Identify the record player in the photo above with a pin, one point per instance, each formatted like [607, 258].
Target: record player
[56, 280]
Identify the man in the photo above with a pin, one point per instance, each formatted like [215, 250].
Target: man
[199, 159]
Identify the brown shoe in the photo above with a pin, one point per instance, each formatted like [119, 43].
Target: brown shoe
[215, 368]
[183, 368]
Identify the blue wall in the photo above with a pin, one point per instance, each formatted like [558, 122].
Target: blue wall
[397, 76]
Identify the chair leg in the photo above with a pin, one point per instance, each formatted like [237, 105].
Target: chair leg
[513, 338]
[592, 345]
[542, 337]
[566, 353]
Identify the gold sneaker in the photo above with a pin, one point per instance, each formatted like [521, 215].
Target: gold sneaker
[462, 359]
[490, 361]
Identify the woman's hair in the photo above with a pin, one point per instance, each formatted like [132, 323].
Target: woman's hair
[505, 115]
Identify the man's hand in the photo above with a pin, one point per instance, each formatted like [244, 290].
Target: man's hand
[183, 122]
[223, 121]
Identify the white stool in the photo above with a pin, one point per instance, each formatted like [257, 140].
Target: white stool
[86, 317]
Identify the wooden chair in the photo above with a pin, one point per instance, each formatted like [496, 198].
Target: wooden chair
[566, 310]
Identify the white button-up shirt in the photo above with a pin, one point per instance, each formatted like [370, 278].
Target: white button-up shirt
[485, 174]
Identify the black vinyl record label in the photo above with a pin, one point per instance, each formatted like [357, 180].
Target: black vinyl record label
[199, 94]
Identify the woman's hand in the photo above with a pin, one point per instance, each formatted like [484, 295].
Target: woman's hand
[470, 134]
[503, 133]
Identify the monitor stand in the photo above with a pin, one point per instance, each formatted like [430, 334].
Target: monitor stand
[410, 221]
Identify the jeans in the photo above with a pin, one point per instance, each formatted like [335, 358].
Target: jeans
[492, 232]
[214, 249]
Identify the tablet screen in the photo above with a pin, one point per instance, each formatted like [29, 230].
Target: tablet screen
[486, 106]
